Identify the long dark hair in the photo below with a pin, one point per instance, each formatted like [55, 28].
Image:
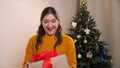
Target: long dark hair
[41, 31]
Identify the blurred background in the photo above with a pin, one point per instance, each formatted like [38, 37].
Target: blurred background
[19, 20]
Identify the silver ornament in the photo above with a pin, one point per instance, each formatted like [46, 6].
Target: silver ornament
[79, 56]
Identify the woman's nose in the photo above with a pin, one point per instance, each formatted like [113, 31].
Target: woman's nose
[49, 24]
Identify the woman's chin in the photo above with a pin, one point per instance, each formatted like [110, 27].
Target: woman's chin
[50, 34]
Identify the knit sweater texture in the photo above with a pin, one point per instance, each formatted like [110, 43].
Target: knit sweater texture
[67, 47]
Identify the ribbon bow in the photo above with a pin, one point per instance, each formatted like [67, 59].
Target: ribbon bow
[46, 57]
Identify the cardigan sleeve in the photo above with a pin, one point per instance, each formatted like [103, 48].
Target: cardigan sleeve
[71, 53]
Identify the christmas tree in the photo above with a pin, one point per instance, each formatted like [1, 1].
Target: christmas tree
[90, 51]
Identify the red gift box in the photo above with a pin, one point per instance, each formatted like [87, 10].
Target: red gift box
[48, 60]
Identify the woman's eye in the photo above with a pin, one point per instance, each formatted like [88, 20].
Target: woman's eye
[45, 21]
[53, 21]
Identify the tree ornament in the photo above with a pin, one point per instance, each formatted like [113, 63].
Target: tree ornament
[78, 36]
[79, 56]
[79, 46]
[74, 24]
[75, 40]
[89, 54]
[111, 61]
[83, 1]
[88, 19]
[85, 40]
[97, 30]
[104, 52]
[102, 59]
[87, 31]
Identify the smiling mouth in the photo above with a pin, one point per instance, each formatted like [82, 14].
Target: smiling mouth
[50, 29]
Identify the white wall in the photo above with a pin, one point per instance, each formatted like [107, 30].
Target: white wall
[115, 33]
[19, 19]
[66, 9]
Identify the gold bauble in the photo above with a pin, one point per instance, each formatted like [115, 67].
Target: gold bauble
[89, 54]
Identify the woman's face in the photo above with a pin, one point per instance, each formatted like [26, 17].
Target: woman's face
[50, 24]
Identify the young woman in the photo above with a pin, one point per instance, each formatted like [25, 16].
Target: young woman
[49, 38]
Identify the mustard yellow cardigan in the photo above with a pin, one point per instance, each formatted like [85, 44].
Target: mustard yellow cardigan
[66, 47]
